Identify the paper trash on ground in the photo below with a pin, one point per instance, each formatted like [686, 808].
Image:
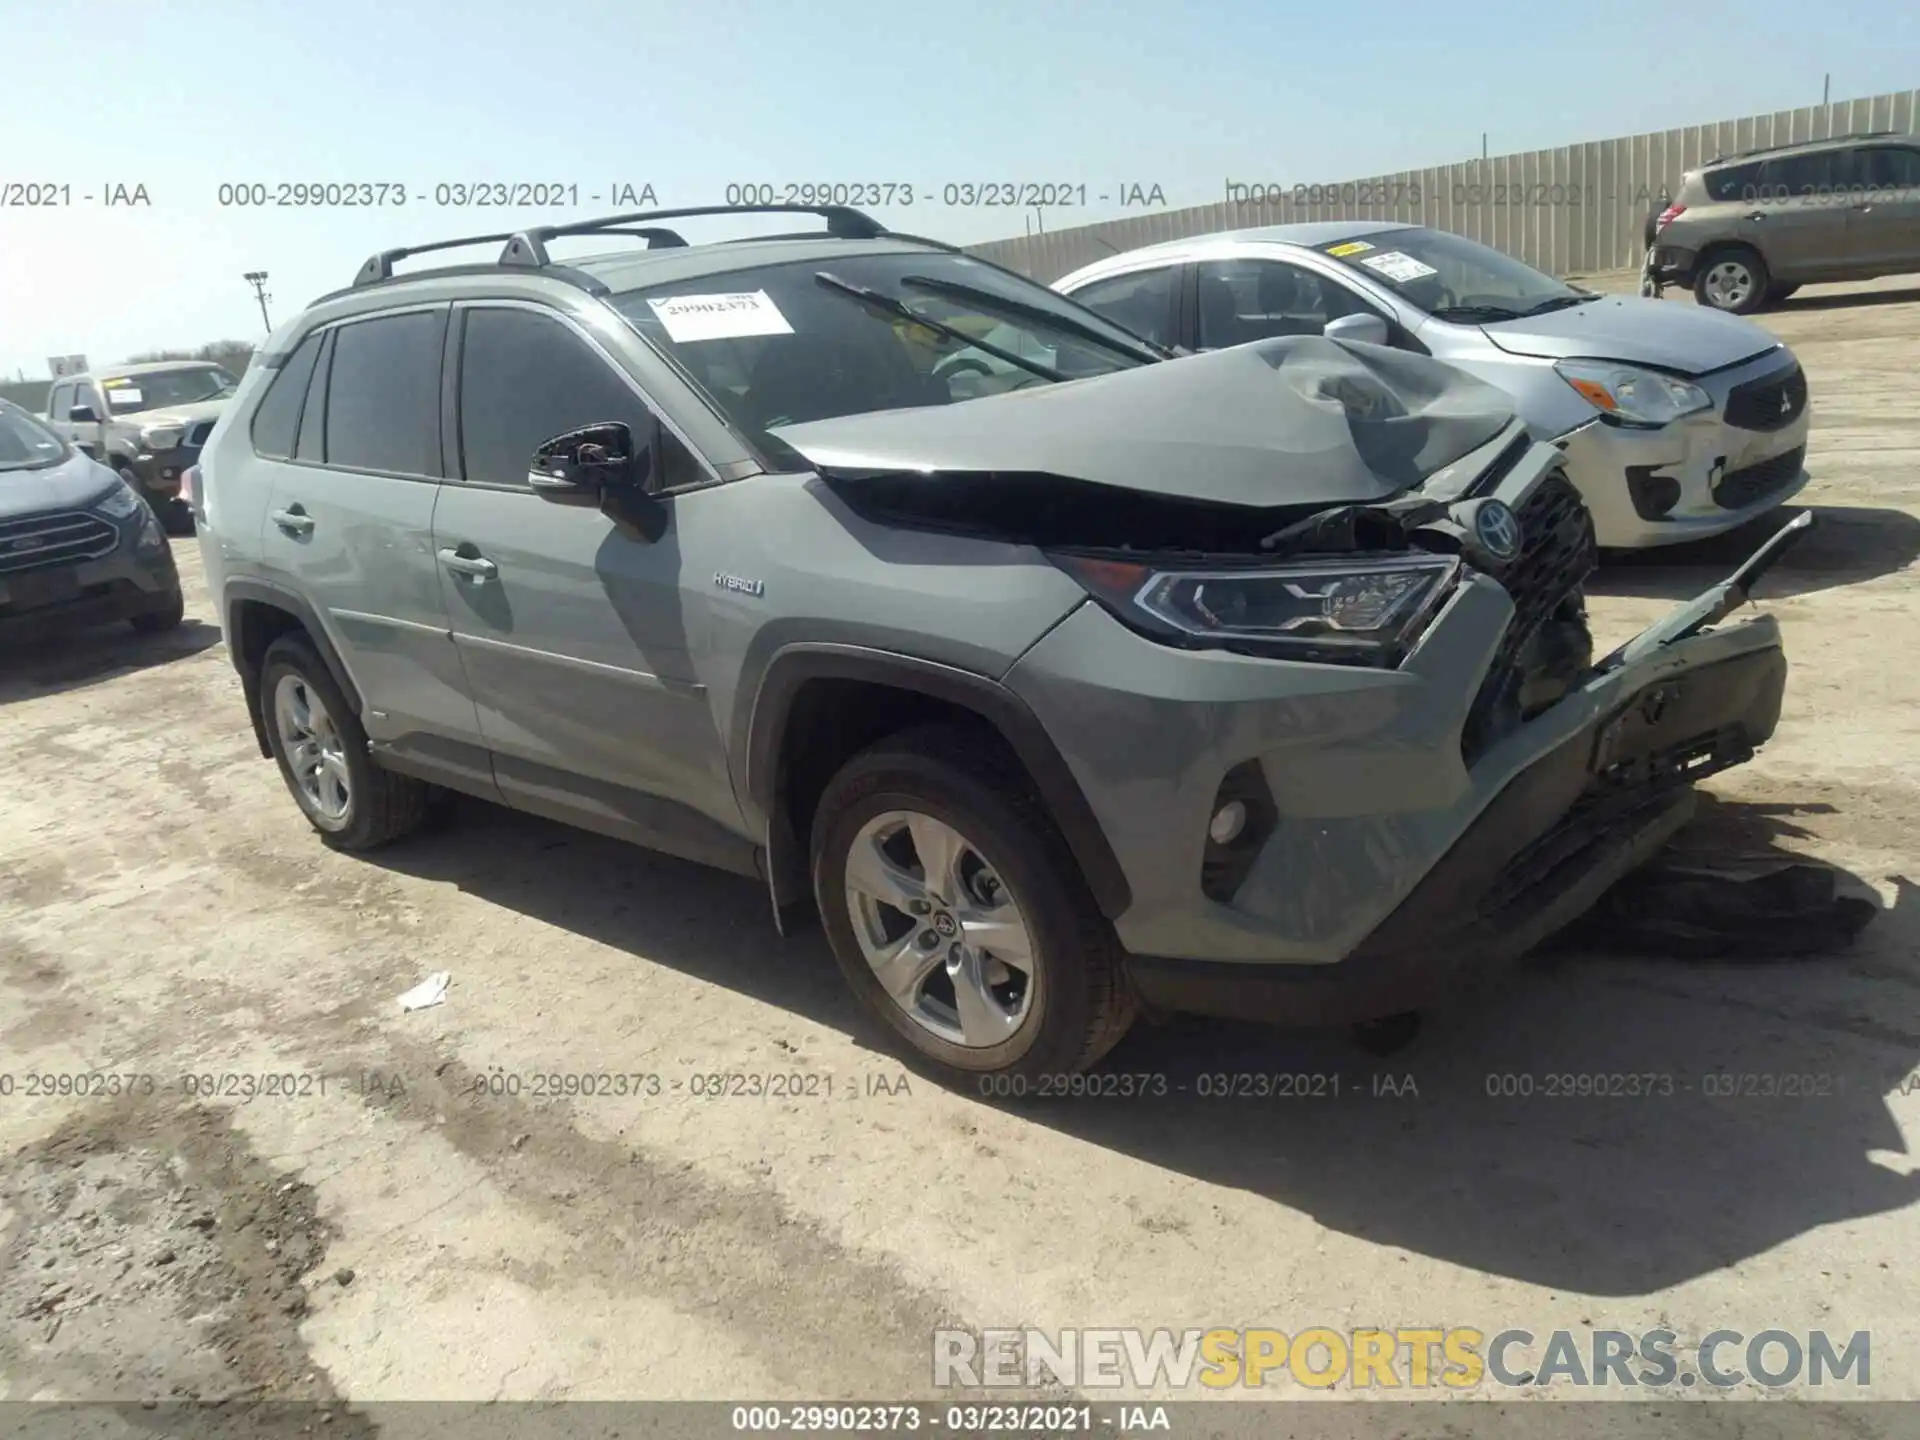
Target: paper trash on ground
[430, 991]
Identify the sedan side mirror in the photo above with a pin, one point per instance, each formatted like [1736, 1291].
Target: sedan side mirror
[1366, 328]
[82, 415]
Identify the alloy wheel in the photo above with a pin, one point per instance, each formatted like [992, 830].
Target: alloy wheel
[941, 929]
[1729, 284]
[316, 755]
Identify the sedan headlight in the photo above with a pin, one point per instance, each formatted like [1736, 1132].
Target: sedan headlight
[120, 503]
[161, 437]
[1632, 394]
[1354, 611]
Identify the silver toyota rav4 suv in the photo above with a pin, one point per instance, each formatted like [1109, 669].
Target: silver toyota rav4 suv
[1254, 684]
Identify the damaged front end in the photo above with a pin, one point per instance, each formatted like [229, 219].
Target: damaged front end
[1437, 774]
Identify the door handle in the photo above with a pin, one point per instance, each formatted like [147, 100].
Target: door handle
[477, 566]
[293, 520]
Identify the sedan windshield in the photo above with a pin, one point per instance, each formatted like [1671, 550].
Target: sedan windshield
[1454, 278]
[26, 444]
[817, 339]
[157, 389]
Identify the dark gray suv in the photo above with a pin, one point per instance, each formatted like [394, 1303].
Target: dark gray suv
[78, 546]
[1062, 683]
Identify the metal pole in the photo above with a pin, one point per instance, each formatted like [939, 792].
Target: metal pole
[1826, 88]
[258, 279]
[1483, 145]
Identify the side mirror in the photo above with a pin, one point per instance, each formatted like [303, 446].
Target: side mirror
[587, 466]
[1366, 328]
[82, 414]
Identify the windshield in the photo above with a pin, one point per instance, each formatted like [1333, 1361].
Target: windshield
[1453, 278]
[777, 345]
[26, 444]
[159, 388]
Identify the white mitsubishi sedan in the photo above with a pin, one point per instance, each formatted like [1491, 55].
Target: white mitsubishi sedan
[1678, 421]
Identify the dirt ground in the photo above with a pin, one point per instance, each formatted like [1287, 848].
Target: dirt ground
[405, 1216]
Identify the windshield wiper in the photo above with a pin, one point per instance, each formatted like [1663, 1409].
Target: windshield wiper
[887, 305]
[1475, 314]
[1558, 302]
[988, 300]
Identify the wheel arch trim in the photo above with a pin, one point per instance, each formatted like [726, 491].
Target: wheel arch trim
[250, 590]
[789, 670]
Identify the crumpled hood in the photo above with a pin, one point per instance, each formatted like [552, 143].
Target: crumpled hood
[1299, 420]
[74, 482]
[1693, 338]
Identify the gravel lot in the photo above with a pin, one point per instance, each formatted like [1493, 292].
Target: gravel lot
[392, 1228]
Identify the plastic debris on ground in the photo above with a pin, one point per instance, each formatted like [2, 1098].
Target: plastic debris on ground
[430, 991]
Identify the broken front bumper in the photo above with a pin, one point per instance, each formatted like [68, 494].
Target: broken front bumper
[1390, 872]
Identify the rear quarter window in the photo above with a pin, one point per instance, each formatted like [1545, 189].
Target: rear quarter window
[276, 423]
[1736, 182]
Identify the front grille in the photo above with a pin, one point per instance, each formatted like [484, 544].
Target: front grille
[58, 539]
[197, 435]
[1771, 402]
[1555, 558]
[1740, 488]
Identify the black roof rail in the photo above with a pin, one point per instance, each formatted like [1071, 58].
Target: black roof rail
[658, 237]
[379, 266]
[1801, 144]
[528, 248]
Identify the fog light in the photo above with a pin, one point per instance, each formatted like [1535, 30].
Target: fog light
[1227, 823]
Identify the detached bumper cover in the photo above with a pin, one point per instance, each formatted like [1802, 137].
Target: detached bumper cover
[1394, 872]
[1553, 841]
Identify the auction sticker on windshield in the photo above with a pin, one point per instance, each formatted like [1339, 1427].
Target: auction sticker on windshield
[123, 395]
[719, 317]
[1352, 247]
[1396, 266]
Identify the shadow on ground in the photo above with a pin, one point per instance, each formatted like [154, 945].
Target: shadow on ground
[1737, 1111]
[31, 669]
[1822, 299]
[1847, 545]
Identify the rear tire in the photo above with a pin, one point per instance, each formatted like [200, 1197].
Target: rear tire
[157, 622]
[321, 749]
[1733, 279]
[1042, 988]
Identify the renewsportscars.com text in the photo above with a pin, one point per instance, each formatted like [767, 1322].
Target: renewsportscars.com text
[1452, 1358]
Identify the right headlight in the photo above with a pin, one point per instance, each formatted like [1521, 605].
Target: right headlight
[1631, 393]
[120, 502]
[1358, 610]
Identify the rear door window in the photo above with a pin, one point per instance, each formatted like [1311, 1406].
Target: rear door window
[1799, 175]
[383, 394]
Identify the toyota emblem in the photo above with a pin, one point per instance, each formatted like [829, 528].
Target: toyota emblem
[1498, 529]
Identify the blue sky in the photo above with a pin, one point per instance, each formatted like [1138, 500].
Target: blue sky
[181, 97]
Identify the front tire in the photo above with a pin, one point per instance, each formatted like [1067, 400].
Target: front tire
[1734, 280]
[958, 914]
[321, 749]
[157, 622]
